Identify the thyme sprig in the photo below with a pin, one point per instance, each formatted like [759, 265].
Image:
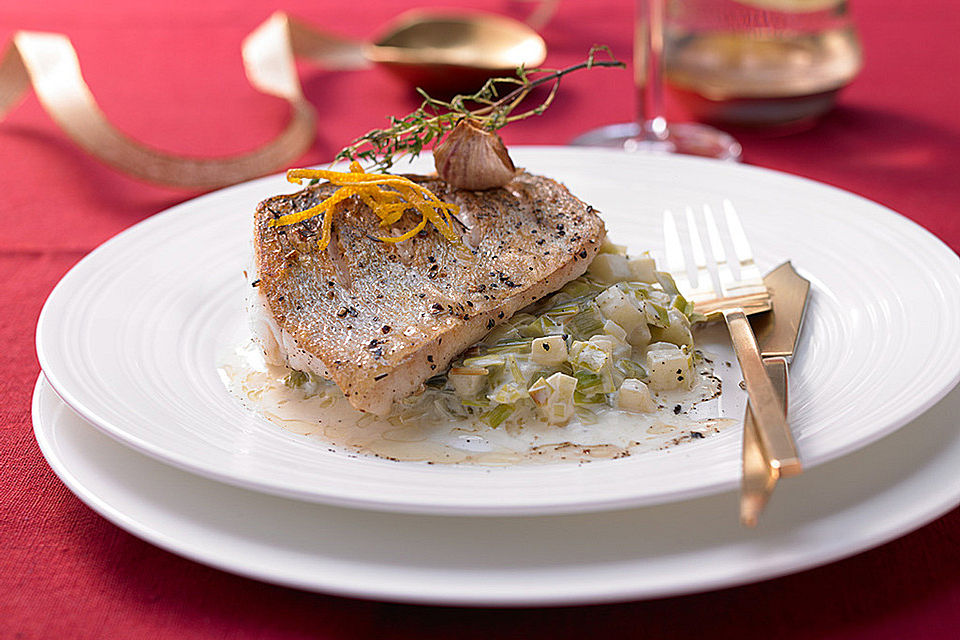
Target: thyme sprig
[434, 118]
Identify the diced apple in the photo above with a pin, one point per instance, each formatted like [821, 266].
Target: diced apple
[615, 331]
[590, 355]
[554, 397]
[640, 336]
[642, 269]
[608, 246]
[606, 343]
[562, 385]
[609, 267]
[621, 307]
[549, 350]
[540, 392]
[468, 382]
[634, 396]
[669, 366]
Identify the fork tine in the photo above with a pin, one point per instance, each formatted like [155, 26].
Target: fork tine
[716, 282]
[676, 263]
[749, 272]
[727, 280]
[704, 280]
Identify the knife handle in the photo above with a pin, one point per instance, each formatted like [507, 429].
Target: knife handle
[759, 478]
[767, 409]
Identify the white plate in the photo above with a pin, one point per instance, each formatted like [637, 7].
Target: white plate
[131, 336]
[834, 511]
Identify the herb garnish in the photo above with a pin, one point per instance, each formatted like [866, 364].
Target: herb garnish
[434, 118]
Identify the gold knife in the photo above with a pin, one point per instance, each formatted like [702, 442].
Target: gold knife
[777, 334]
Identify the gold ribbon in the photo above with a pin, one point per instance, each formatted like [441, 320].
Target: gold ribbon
[49, 63]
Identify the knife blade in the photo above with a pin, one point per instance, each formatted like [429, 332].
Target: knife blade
[777, 335]
[779, 330]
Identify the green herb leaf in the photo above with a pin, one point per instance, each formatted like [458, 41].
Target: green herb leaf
[434, 118]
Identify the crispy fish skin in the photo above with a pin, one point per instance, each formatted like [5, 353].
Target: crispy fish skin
[382, 318]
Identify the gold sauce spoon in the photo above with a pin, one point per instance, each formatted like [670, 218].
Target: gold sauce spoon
[439, 50]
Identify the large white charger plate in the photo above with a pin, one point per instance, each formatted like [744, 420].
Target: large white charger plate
[130, 338]
[834, 511]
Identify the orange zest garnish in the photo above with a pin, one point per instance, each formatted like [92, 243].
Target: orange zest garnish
[389, 204]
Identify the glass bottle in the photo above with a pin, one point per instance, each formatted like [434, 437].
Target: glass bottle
[759, 62]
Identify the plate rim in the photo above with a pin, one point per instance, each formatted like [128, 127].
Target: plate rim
[889, 529]
[557, 506]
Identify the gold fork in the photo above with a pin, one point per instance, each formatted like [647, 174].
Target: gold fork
[733, 299]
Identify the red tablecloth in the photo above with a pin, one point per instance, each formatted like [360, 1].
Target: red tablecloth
[170, 74]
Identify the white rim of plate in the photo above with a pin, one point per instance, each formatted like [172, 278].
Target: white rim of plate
[806, 526]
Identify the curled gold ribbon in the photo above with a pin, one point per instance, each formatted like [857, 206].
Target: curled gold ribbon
[49, 63]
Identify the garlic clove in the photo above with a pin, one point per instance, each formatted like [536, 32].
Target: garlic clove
[474, 159]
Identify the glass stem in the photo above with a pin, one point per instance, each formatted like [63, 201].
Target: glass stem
[648, 69]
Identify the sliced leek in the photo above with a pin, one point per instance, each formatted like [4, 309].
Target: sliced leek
[585, 349]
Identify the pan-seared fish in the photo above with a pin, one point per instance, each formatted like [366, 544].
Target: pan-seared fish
[380, 319]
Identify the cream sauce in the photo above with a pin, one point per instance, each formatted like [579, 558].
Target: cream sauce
[319, 410]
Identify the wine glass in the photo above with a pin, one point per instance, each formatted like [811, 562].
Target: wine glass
[651, 131]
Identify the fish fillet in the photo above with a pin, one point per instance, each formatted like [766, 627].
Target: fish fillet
[380, 319]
